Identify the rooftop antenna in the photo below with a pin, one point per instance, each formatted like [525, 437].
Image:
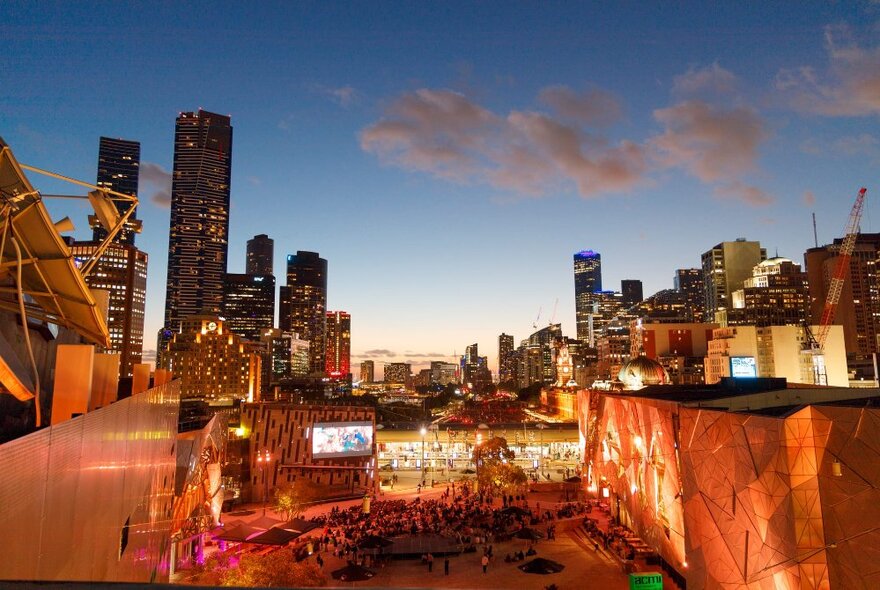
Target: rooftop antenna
[815, 234]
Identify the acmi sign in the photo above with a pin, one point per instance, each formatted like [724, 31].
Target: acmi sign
[652, 581]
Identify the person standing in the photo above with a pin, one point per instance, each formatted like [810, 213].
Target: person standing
[446, 566]
[430, 562]
[485, 562]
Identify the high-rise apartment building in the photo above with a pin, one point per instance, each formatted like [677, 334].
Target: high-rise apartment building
[631, 291]
[725, 268]
[506, 366]
[859, 308]
[303, 304]
[368, 372]
[338, 363]
[119, 163]
[122, 272]
[398, 373]
[249, 304]
[198, 237]
[689, 281]
[470, 363]
[587, 280]
[260, 255]
[775, 295]
[443, 373]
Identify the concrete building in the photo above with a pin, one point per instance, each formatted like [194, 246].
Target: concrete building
[119, 163]
[773, 351]
[338, 357]
[775, 295]
[303, 305]
[587, 280]
[368, 372]
[725, 268]
[398, 373]
[631, 291]
[506, 367]
[248, 304]
[689, 282]
[443, 373]
[260, 256]
[212, 363]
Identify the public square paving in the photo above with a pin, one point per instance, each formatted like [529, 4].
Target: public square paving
[584, 568]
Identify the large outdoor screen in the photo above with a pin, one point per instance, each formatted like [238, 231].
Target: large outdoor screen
[342, 439]
[743, 366]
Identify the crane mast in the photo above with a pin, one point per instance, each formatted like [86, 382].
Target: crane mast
[816, 345]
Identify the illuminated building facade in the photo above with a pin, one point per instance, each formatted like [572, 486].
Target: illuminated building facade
[260, 255]
[368, 372]
[506, 366]
[338, 364]
[248, 304]
[199, 232]
[121, 271]
[775, 295]
[303, 306]
[725, 268]
[398, 373]
[443, 373]
[212, 363]
[118, 170]
[587, 280]
[689, 282]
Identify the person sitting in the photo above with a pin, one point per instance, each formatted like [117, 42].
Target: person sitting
[507, 558]
[531, 552]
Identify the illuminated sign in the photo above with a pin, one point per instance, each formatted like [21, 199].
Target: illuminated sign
[652, 581]
[743, 366]
[342, 439]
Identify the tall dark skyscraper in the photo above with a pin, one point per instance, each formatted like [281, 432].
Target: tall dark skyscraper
[506, 366]
[690, 282]
[260, 255]
[249, 304]
[304, 303]
[631, 290]
[119, 163]
[198, 238]
[587, 280]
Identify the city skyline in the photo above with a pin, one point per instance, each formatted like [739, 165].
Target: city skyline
[649, 171]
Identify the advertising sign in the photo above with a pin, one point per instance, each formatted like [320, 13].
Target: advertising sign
[743, 366]
[651, 581]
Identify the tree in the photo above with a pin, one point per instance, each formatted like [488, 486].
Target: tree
[292, 499]
[495, 469]
[277, 569]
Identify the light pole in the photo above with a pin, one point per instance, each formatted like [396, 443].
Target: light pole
[263, 460]
[541, 427]
[423, 431]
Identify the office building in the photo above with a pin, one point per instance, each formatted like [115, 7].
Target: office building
[775, 295]
[121, 271]
[689, 281]
[398, 373]
[248, 304]
[587, 280]
[338, 364]
[368, 372]
[199, 232]
[443, 373]
[506, 367]
[725, 268]
[260, 255]
[631, 291]
[119, 163]
[303, 305]
[212, 363]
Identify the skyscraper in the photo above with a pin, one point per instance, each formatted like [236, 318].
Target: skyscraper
[368, 371]
[338, 364]
[198, 238]
[690, 282]
[775, 295]
[506, 366]
[631, 290]
[119, 163]
[304, 303]
[587, 280]
[249, 304]
[260, 255]
[725, 268]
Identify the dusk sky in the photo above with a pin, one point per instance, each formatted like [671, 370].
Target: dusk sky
[448, 159]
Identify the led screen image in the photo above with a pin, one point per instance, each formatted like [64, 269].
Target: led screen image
[743, 366]
[342, 439]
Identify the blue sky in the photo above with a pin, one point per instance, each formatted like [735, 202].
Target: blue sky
[448, 159]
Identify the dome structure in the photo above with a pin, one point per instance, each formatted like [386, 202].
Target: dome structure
[640, 372]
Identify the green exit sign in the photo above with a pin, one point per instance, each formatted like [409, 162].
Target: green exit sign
[652, 581]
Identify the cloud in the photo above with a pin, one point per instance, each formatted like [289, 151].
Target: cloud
[344, 96]
[443, 133]
[808, 198]
[377, 353]
[714, 79]
[711, 143]
[850, 86]
[593, 107]
[737, 190]
[159, 180]
[811, 146]
[851, 145]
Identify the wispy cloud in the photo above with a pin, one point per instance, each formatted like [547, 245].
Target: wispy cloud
[593, 107]
[344, 96]
[710, 79]
[808, 198]
[159, 180]
[849, 86]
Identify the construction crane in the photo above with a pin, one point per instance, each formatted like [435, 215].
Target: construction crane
[815, 345]
[537, 319]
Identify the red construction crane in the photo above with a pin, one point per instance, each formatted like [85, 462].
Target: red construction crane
[816, 345]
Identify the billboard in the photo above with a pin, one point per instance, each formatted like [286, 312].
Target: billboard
[342, 439]
[743, 366]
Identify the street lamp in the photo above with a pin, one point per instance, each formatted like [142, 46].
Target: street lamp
[423, 431]
[263, 460]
